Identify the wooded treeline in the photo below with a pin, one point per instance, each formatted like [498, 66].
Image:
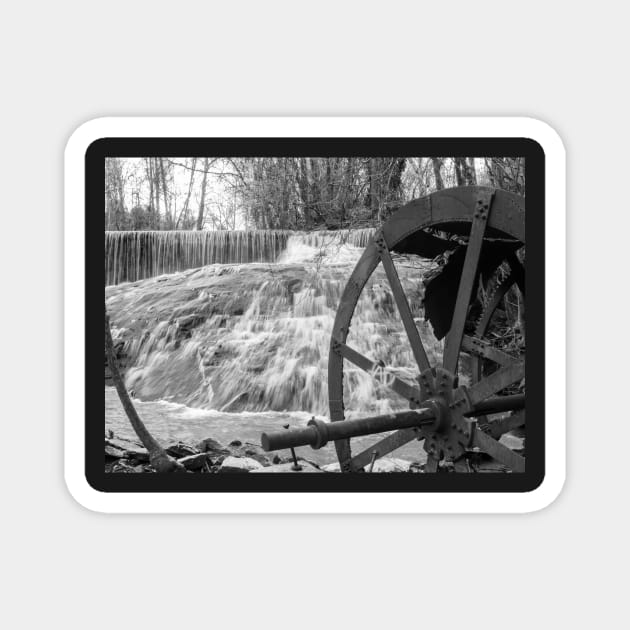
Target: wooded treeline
[295, 193]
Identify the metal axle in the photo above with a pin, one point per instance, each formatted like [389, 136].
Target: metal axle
[319, 433]
[434, 414]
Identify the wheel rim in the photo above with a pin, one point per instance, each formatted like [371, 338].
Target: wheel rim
[476, 211]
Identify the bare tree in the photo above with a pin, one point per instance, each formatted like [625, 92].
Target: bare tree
[202, 200]
[184, 212]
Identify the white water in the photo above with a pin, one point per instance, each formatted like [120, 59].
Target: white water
[172, 422]
[136, 255]
[267, 361]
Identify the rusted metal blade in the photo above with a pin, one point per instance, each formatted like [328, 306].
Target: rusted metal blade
[498, 451]
[481, 348]
[467, 281]
[385, 446]
[491, 307]
[502, 378]
[404, 309]
[497, 428]
[377, 372]
[518, 270]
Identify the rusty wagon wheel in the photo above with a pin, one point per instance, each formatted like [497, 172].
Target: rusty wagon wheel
[484, 228]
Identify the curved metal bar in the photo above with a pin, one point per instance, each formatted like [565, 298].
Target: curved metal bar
[451, 205]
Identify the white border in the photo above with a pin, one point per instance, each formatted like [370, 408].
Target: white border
[555, 318]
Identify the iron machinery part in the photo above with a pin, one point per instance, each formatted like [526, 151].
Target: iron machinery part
[434, 416]
[318, 433]
[484, 354]
[486, 219]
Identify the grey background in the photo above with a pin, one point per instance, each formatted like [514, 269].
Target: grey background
[67, 62]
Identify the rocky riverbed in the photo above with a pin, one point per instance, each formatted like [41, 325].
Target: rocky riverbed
[210, 456]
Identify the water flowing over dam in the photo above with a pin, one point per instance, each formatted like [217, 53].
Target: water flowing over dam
[255, 336]
[136, 255]
[231, 349]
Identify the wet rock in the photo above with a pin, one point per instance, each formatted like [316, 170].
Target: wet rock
[512, 441]
[253, 451]
[194, 462]
[305, 467]
[332, 468]
[187, 323]
[383, 465]
[116, 447]
[139, 454]
[122, 444]
[113, 452]
[239, 465]
[210, 445]
[391, 465]
[181, 450]
[124, 466]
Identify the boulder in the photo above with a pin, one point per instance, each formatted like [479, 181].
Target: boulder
[194, 462]
[113, 452]
[138, 453]
[390, 465]
[129, 449]
[210, 445]
[123, 466]
[251, 450]
[305, 467]
[122, 444]
[239, 465]
[331, 468]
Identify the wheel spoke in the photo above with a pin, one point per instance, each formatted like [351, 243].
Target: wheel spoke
[497, 428]
[481, 348]
[404, 309]
[498, 451]
[378, 373]
[384, 446]
[493, 384]
[466, 283]
[498, 404]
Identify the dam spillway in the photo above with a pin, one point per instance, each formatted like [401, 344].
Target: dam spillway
[137, 255]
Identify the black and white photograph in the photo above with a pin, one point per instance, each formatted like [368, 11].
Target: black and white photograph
[315, 315]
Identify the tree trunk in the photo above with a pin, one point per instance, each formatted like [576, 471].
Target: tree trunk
[158, 457]
[184, 212]
[202, 201]
[437, 165]
[167, 213]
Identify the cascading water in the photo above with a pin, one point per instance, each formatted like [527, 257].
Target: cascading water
[136, 255]
[250, 339]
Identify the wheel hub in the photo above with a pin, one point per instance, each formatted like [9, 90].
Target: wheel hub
[450, 435]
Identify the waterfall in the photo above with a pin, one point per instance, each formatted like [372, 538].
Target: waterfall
[136, 255]
[255, 338]
[131, 255]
